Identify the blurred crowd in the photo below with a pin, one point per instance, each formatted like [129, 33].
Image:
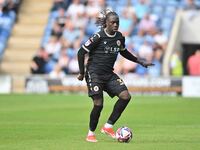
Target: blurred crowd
[146, 24]
[8, 16]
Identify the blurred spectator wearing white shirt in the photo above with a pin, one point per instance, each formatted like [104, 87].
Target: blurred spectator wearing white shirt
[57, 72]
[75, 8]
[92, 8]
[53, 45]
[161, 39]
[146, 51]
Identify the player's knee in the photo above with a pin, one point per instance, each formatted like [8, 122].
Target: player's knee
[100, 104]
[125, 95]
[128, 97]
[97, 100]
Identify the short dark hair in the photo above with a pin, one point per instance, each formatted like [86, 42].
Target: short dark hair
[104, 15]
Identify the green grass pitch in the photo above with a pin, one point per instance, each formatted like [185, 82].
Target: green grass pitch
[60, 122]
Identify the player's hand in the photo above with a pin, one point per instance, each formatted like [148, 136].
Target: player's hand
[80, 77]
[146, 64]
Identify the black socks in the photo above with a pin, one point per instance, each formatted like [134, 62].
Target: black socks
[94, 117]
[119, 107]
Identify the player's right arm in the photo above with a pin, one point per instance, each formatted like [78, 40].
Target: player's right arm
[81, 59]
[86, 48]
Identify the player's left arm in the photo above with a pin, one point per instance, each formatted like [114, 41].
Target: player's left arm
[126, 54]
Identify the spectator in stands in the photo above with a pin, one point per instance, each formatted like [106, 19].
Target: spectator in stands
[81, 22]
[123, 65]
[57, 72]
[127, 66]
[91, 28]
[61, 18]
[62, 59]
[56, 31]
[54, 45]
[8, 9]
[176, 66]
[59, 23]
[147, 25]
[131, 10]
[161, 39]
[101, 4]
[72, 35]
[92, 8]
[157, 58]
[75, 8]
[190, 5]
[193, 64]
[11, 5]
[60, 4]
[146, 51]
[39, 61]
[141, 8]
[126, 23]
[138, 40]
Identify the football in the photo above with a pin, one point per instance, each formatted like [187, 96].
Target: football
[124, 134]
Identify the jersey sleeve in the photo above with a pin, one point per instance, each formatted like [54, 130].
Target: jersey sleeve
[123, 47]
[91, 43]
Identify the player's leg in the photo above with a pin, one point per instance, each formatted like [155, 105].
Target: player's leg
[96, 111]
[119, 107]
[94, 117]
[96, 93]
[116, 87]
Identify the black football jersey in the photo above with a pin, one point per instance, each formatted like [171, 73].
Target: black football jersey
[103, 50]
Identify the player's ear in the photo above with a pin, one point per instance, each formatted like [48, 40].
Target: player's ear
[106, 23]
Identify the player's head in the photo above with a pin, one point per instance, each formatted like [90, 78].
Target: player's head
[108, 20]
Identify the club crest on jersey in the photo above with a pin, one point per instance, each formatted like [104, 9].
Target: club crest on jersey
[118, 42]
[96, 88]
[87, 43]
[120, 81]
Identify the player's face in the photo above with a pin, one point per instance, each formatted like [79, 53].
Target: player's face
[112, 24]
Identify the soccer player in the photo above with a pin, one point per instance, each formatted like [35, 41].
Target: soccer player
[103, 48]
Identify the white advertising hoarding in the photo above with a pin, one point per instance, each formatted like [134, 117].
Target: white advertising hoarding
[191, 86]
[5, 84]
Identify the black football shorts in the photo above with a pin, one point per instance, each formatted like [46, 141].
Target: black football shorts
[110, 83]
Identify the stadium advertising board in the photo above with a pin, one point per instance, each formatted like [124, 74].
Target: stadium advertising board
[136, 85]
[191, 86]
[149, 85]
[36, 84]
[5, 84]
